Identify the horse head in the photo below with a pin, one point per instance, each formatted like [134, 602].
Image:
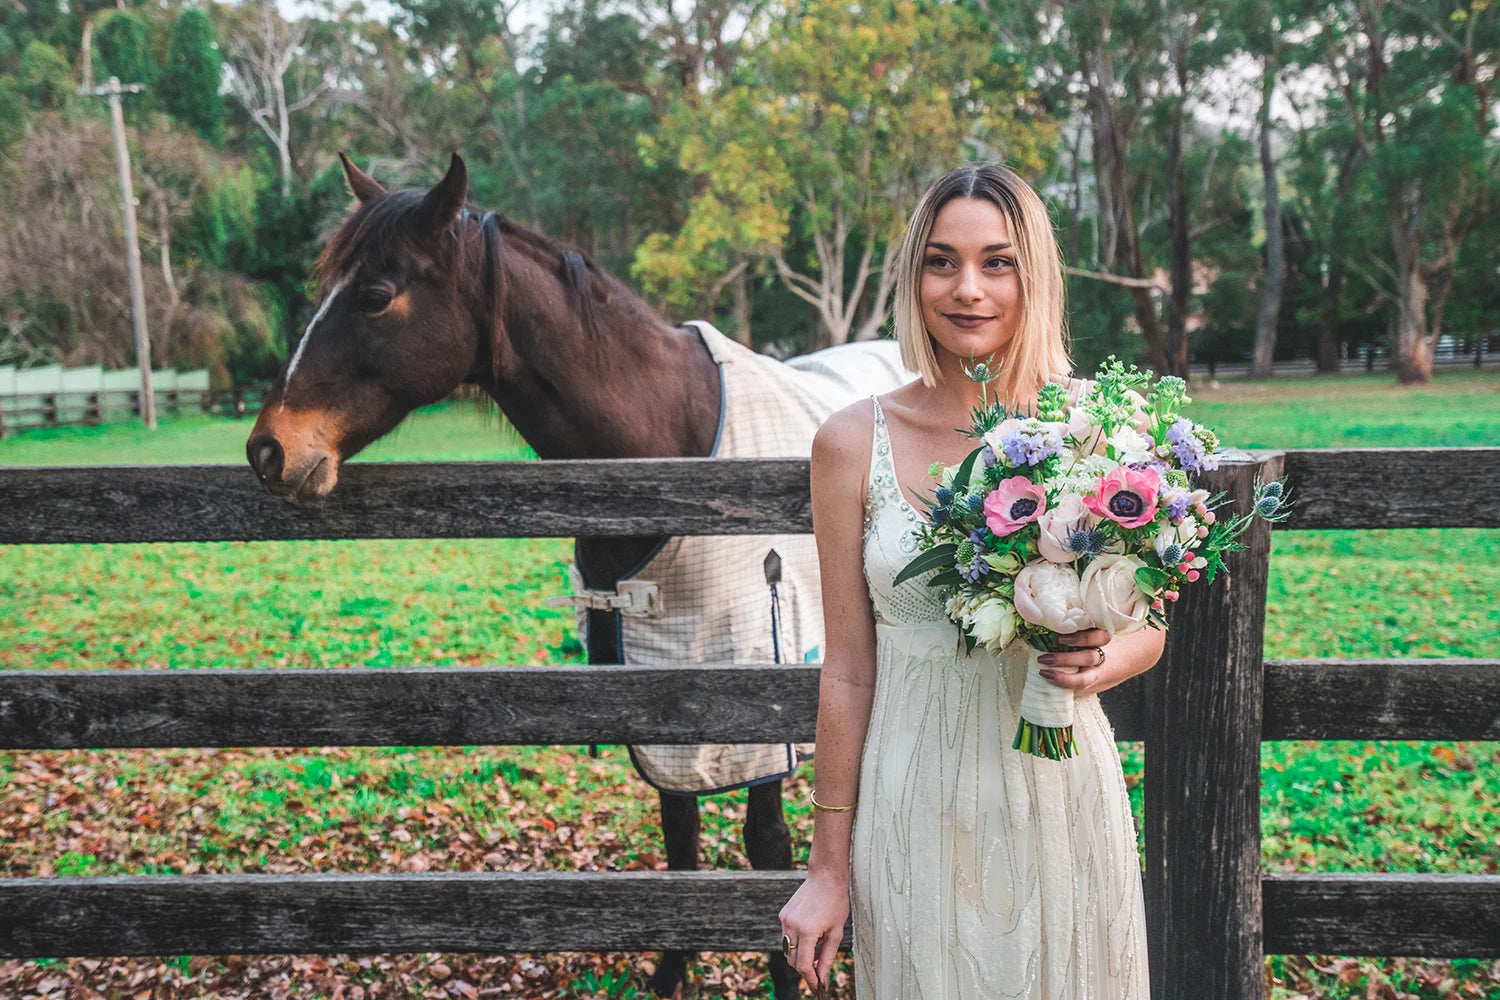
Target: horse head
[397, 327]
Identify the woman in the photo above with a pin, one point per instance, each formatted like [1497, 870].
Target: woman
[973, 870]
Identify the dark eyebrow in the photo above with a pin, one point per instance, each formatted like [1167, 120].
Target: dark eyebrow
[989, 249]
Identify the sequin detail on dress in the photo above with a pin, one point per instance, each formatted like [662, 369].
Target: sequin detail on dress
[979, 872]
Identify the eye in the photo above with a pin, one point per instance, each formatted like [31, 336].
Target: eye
[936, 262]
[999, 262]
[374, 298]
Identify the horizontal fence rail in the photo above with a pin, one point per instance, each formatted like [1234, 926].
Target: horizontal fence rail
[1345, 488]
[708, 703]
[1322, 913]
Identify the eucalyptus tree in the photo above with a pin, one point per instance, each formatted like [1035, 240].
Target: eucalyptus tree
[1417, 82]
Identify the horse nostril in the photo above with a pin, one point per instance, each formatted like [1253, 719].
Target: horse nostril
[266, 456]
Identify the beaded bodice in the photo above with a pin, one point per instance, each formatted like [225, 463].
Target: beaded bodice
[890, 541]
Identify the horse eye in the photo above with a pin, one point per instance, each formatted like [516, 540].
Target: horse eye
[374, 299]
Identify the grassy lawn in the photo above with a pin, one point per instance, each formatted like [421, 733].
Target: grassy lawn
[1387, 806]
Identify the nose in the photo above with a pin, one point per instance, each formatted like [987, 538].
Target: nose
[266, 457]
[967, 290]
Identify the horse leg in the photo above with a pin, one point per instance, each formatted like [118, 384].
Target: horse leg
[769, 844]
[679, 829]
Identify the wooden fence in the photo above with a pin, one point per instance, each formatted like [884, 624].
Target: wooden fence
[1212, 913]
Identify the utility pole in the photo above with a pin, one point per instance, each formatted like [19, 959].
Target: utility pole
[112, 91]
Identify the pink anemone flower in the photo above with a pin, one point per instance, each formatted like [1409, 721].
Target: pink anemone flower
[1015, 503]
[1127, 497]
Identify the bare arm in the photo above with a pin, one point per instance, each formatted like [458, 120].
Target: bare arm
[840, 460]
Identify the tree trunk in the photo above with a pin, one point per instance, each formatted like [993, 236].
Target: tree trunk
[1412, 357]
[1411, 351]
[1182, 280]
[1270, 293]
[741, 290]
[1330, 332]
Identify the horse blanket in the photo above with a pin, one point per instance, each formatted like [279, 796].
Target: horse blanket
[706, 599]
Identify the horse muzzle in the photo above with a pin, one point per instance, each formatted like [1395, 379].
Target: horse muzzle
[291, 456]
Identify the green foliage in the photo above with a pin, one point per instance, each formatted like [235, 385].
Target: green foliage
[44, 76]
[189, 83]
[122, 46]
[12, 115]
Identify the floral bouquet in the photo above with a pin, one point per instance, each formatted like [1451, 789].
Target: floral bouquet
[1076, 516]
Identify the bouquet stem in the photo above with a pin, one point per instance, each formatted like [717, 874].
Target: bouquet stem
[1046, 727]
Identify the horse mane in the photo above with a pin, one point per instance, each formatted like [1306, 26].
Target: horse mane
[378, 225]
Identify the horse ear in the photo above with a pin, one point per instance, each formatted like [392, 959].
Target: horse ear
[443, 203]
[362, 185]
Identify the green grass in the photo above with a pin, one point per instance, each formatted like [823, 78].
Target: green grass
[1379, 806]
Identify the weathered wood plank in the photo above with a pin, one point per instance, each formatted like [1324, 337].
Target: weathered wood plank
[1394, 487]
[373, 914]
[1345, 488]
[1382, 700]
[426, 706]
[623, 497]
[1202, 806]
[1323, 913]
[709, 703]
[1349, 913]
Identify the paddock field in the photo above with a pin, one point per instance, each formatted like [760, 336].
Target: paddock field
[1390, 806]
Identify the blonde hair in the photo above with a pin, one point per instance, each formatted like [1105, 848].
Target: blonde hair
[1039, 350]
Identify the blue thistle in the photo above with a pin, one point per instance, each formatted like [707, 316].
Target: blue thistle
[1088, 542]
[944, 496]
[975, 503]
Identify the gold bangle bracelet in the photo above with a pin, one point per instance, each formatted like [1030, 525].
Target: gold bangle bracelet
[830, 809]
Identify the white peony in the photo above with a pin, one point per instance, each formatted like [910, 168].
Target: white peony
[1047, 594]
[1111, 596]
[1058, 523]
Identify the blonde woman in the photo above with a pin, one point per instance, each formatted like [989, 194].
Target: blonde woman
[973, 870]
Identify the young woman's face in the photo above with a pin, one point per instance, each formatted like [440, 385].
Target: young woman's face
[970, 290]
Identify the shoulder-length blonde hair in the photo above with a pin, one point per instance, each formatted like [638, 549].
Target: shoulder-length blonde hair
[1039, 350]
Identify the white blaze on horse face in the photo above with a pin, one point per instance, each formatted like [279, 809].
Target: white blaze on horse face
[307, 335]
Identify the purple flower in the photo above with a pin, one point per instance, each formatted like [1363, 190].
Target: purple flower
[976, 566]
[1188, 447]
[1025, 446]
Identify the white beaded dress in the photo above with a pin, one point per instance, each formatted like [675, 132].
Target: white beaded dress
[978, 871]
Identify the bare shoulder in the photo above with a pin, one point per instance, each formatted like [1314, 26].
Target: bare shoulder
[843, 440]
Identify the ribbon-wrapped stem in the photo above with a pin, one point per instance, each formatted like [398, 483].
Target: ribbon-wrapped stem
[1046, 727]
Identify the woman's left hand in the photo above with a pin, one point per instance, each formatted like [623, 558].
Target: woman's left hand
[1081, 667]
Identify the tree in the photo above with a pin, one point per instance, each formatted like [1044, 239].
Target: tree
[271, 81]
[842, 113]
[189, 83]
[1417, 77]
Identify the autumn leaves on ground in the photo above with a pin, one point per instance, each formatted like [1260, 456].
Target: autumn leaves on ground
[1415, 807]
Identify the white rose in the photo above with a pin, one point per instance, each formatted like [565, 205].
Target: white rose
[1057, 525]
[1111, 596]
[1047, 594]
[993, 622]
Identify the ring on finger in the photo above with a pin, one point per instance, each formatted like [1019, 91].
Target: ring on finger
[787, 946]
[1101, 656]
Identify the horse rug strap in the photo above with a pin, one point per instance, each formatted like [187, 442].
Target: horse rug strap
[712, 600]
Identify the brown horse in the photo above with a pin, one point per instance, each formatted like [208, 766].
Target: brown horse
[422, 294]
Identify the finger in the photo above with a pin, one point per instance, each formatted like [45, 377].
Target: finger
[828, 953]
[802, 958]
[1088, 656]
[1076, 680]
[1086, 637]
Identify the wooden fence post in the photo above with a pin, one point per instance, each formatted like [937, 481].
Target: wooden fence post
[1202, 772]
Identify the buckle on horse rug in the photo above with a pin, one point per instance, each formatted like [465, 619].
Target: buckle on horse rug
[631, 598]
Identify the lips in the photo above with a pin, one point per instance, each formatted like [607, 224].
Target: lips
[966, 319]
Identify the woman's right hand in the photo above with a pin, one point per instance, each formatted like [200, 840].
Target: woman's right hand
[813, 920]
